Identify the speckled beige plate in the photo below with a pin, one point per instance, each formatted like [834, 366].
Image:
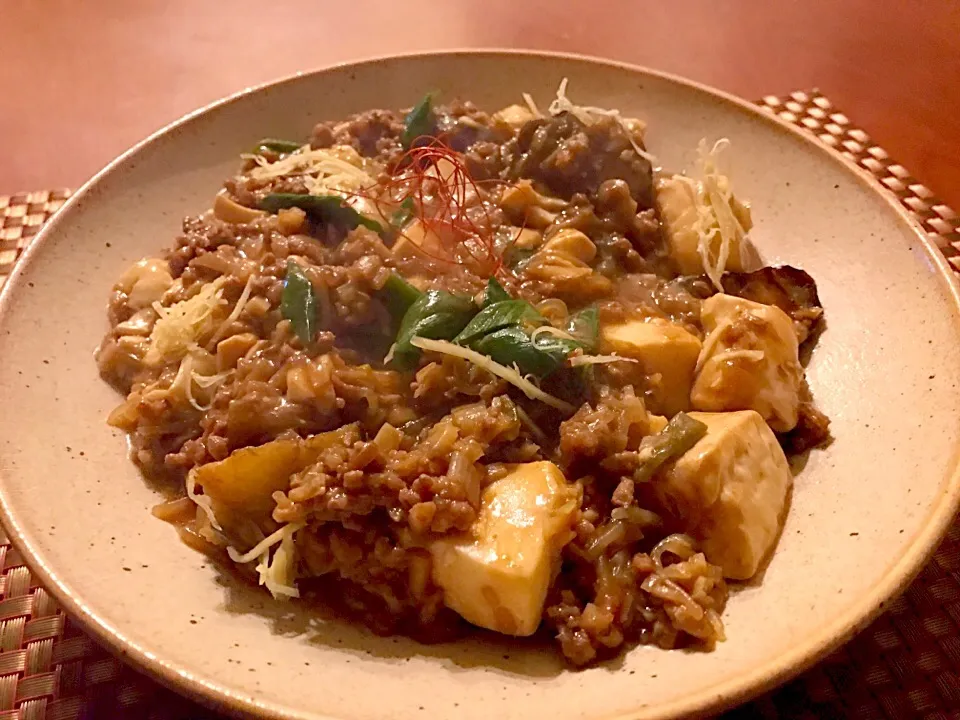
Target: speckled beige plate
[865, 513]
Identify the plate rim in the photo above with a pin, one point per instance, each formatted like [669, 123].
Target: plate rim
[711, 699]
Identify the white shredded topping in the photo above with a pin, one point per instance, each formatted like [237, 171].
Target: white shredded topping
[202, 501]
[257, 550]
[180, 327]
[389, 356]
[754, 355]
[528, 99]
[579, 360]
[337, 170]
[237, 309]
[209, 381]
[711, 342]
[511, 375]
[551, 330]
[186, 377]
[715, 218]
[534, 429]
[279, 575]
[587, 114]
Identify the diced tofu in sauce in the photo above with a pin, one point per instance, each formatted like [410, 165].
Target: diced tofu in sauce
[730, 490]
[667, 356]
[749, 361]
[417, 235]
[498, 577]
[678, 202]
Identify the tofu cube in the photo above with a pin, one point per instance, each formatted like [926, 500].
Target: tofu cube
[416, 237]
[514, 116]
[497, 578]
[680, 201]
[730, 490]
[666, 354]
[749, 361]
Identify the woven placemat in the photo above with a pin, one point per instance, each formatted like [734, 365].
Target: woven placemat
[906, 665]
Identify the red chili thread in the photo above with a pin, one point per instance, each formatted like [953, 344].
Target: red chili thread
[448, 201]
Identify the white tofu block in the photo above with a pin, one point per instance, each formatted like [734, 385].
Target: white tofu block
[730, 490]
[749, 361]
[498, 577]
[666, 354]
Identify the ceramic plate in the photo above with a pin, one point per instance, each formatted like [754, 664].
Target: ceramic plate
[865, 513]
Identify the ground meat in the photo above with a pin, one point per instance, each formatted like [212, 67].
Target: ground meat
[640, 296]
[249, 191]
[451, 380]
[615, 587]
[618, 422]
[569, 157]
[463, 125]
[812, 429]
[387, 497]
[374, 133]
[416, 449]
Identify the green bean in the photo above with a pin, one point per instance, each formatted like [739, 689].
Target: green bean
[404, 214]
[680, 434]
[298, 303]
[328, 209]
[278, 146]
[512, 345]
[420, 121]
[435, 315]
[496, 316]
[399, 295]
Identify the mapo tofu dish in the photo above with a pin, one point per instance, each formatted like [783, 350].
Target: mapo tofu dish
[445, 370]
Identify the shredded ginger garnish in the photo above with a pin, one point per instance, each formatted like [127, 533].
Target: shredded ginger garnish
[511, 375]
[279, 573]
[187, 377]
[580, 360]
[551, 330]
[339, 169]
[181, 326]
[237, 309]
[715, 217]
[202, 501]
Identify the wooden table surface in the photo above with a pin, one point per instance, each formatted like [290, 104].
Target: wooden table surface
[81, 81]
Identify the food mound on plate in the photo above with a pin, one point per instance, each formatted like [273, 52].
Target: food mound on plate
[446, 369]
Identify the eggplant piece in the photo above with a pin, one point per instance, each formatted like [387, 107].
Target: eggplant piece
[788, 288]
[791, 289]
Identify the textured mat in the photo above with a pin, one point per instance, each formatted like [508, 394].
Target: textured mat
[904, 666]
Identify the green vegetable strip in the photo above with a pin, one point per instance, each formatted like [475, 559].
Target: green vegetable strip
[680, 434]
[517, 258]
[328, 209]
[512, 346]
[399, 295]
[404, 215]
[494, 293]
[585, 327]
[496, 316]
[278, 146]
[298, 303]
[500, 330]
[419, 121]
[435, 315]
